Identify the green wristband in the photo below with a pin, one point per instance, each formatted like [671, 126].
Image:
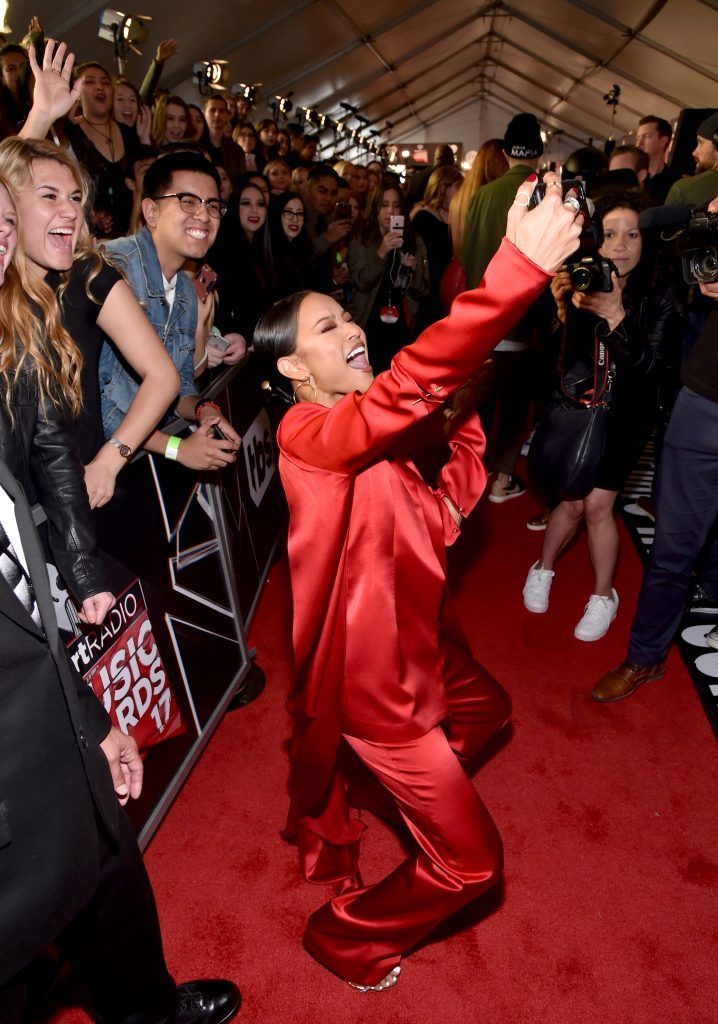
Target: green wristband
[172, 449]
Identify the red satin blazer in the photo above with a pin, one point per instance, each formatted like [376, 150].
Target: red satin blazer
[367, 535]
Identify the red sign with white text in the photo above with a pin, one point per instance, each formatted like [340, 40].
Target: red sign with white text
[121, 661]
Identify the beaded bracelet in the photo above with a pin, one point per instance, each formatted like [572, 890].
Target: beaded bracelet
[200, 405]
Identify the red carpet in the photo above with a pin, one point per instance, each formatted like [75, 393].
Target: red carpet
[608, 814]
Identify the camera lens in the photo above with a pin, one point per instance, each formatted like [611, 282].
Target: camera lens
[581, 279]
[704, 266]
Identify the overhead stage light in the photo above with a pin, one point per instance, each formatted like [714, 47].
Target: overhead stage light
[247, 92]
[211, 75]
[126, 31]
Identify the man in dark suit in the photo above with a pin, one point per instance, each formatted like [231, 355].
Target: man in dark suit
[70, 868]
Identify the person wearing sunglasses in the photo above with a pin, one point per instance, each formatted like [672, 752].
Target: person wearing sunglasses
[182, 210]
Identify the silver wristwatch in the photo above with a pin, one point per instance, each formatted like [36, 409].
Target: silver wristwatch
[124, 449]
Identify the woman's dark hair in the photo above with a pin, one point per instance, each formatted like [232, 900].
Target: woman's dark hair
[275, 336]
[79, 70]
[266, 123]
[653, 271]
[619, 199]
[245, 178]
[240, 250]
[291, 259]
[276, 333]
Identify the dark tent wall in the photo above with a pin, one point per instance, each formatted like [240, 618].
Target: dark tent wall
[435, 70]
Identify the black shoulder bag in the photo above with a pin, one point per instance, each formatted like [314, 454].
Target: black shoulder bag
[569, 442]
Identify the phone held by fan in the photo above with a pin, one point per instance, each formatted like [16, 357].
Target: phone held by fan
[205, 281]
[342, 211]
[217, 341]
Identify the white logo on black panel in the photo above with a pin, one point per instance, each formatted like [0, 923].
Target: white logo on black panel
[259, 455]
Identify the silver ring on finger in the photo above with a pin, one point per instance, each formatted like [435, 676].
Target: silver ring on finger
[525, 196]
[573, 202]
[554, 184]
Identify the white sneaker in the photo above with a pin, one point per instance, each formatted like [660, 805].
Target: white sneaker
[536, 589]
[597, 617]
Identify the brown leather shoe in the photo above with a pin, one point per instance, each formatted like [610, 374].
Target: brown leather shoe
[622, 681]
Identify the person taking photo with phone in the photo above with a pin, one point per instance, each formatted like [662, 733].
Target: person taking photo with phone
[389, 270]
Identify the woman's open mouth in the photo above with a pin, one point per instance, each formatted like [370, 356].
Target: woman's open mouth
[62, 239]
[357, 358]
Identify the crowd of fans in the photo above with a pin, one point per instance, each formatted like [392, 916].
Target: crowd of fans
[142, 240]
[217, 202]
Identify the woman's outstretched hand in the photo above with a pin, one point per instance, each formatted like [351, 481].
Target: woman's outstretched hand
[549, 233]
[54, 93]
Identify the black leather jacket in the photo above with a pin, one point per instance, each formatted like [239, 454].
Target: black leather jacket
[40, 452]
[644, 348]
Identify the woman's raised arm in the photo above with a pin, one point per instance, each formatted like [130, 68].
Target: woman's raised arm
[422, 376]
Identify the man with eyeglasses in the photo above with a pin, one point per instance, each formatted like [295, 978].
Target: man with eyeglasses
[182, 212]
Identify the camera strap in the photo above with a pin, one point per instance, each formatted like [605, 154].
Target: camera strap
[598, 395]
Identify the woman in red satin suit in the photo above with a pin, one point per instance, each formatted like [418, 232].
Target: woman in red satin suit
[382, 667]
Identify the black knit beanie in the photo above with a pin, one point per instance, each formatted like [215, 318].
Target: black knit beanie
[523, 138]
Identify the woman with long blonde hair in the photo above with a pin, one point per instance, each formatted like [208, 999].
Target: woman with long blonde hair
[40, 369]
[53, 194]
[490, 163]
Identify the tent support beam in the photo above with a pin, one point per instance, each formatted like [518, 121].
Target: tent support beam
[589, 55]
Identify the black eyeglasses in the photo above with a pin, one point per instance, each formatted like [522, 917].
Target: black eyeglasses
[293, 214]
[191, 203]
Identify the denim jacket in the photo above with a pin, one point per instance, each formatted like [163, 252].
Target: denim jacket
[136, 258]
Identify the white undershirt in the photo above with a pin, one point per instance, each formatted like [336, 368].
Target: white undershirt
[170, 287]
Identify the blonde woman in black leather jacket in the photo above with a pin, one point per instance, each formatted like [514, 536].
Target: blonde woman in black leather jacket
[39, 388]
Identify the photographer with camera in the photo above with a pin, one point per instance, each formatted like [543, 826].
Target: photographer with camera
[686, 513]
[389, 270]
[618, 326]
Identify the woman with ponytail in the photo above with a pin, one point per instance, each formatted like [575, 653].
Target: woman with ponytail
[384, 676]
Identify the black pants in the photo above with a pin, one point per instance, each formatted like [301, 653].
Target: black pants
[512, 389]
[114, 945]
[686, 511]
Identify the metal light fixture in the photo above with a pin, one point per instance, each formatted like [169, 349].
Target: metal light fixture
[126, 31]
[211, 75]
[247, 92]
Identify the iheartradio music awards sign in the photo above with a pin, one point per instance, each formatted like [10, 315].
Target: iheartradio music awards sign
[121, 662]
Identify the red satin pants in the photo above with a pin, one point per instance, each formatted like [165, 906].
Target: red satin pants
[362, 933]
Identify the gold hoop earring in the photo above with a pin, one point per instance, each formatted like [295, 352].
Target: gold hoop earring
[306, 382]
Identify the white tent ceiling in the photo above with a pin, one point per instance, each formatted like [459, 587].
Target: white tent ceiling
[435, 70]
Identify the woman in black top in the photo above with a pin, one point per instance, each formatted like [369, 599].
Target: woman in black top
[105, 149]
[635, 328]
[291, 248]
[39, 389]
[431, 224]
[95, 303]
[242, 258]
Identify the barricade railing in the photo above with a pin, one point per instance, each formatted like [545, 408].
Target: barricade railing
[187, 555]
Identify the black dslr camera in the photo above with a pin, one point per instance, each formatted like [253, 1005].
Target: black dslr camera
[591, 274]
[695, 232]
[700, 264]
